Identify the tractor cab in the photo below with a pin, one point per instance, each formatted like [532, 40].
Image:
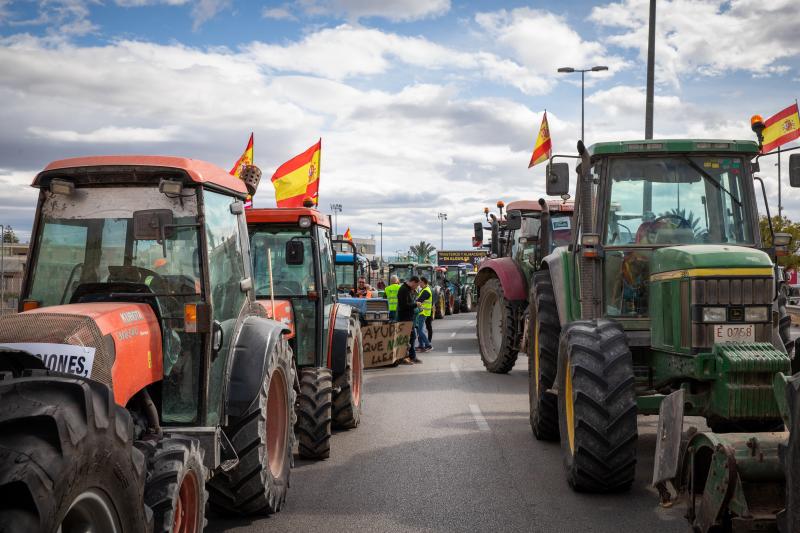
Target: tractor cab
[353, 274]
[403, 271]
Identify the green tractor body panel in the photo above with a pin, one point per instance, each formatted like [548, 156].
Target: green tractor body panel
[707, 256]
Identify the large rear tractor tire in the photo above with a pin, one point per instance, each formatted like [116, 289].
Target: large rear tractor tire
[448, 303]
[67, 460]
[597, 406]
[497, 331]
[263, 439]
[347, 387]
[784, 329]
[175, 488]
[440, 310]
[545, 330]
[467, 302]
[313, 427]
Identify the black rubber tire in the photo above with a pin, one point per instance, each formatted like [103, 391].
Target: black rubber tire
[59, 438]
[169, 462]
[594, 356]
[448, 305]
[457, 304]
[346, 409]
[313, 427]
[438, 309]
[543, 314]
[784, 328]
[252, 488]
[467, 302]
[503, 361]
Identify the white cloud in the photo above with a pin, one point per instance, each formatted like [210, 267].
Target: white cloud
[109, 135]
[142, 3]
[205, 10]
[277, 13]
[394, 10]
[707, 37]
[62, 18]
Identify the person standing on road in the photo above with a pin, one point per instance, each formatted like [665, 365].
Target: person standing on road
[425, 303]
[406, 308]
[391, 295]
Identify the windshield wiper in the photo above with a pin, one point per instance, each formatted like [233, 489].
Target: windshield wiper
[709, 177]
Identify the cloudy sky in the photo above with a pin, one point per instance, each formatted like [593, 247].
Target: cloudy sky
[423, 105]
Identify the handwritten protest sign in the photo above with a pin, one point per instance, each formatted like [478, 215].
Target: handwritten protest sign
[385, 343]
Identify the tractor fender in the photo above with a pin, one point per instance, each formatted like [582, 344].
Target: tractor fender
[337, 336]
[511, 278]
[554, 263]
[249, 363]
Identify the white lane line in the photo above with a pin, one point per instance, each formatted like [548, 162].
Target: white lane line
[478, 416]
[449, 349]
[453, 334]
[454, 369]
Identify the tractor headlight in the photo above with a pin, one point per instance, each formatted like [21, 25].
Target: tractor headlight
[714, 314]
[305, 222]
[756, 314]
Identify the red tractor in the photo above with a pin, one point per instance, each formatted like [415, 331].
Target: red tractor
[294, 272]
[141, 379]
[519, 241]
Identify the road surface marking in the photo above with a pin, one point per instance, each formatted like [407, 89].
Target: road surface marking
[454, 369]
[453, 334]
[449, 349]
[478, 416]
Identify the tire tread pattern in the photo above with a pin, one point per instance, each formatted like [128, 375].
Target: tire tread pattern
[313, 427]
[345, 413]
[544, 405]
[508, 353]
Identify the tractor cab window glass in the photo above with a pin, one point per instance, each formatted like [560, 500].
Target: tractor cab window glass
[287, 280]
[677, 200]
[326, 261]
[561, 231]
[402, 272]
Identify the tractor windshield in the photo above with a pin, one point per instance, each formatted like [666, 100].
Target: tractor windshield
[678, 200]
[287, 280]
[403, 272]
[452, 275]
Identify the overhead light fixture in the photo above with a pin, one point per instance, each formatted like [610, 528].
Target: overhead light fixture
[63, 187]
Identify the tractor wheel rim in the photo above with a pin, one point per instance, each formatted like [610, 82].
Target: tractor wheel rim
[570, 408]
[277, 422]
[92, 511]
[185, 519]
[356, 365]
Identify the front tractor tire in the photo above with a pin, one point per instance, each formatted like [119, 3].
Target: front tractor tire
[263, 440]
[313, 427]
[597, 406]
[440, 311]
[175, 488]
[467, 305]
[497, 331]
[346, 409]
[67, 459]
[545, 330]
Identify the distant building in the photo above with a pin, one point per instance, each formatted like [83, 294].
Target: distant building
[366, 247]
[12, 269]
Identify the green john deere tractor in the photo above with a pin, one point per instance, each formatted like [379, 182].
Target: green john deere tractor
[664, 289]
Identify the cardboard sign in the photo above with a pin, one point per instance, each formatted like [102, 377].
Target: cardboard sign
[65, 358]
[385, 343]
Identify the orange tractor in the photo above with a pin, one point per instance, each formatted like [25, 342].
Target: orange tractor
[325, 334]
[141, 378]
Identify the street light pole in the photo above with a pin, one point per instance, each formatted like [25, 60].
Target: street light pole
[381, 262]
[651, 59]
[2, 269]
[336, 208]
[583, 71]
[442, 218]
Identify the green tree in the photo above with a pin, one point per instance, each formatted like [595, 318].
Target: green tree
[9, 236]
[421, 251]
[782, 225]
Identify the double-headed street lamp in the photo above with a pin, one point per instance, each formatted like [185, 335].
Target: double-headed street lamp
[442, 217]
[336, 208]
[381, 225]
[583, 71]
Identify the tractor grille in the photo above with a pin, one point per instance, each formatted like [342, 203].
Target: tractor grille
[377, 305]
[59, 328]
[726, 292]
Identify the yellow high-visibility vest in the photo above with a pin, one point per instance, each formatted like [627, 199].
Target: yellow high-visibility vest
[427, 305]
[391, 295]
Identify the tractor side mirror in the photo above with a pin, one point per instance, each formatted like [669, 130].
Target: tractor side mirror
[295, 252]
[477, 236]
[794, 170]
[153, 224]
[373, 264]
[514, 220]
[557, 179]
[781, 241]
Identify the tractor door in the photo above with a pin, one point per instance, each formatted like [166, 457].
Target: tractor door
[328, 294]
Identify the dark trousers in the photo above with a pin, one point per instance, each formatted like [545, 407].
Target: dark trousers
[412, 352]
[429, 327]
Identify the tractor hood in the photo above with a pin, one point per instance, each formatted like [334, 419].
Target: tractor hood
[115, 343]
[719, 256]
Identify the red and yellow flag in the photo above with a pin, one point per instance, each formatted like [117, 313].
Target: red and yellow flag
[298, 178]
[781, 128]
[348, 236]
[246, 159]
[544, 146]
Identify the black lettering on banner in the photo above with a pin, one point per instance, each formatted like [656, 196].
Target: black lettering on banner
[62, 363]
[81, 366]
[71, 365]
[367, 333]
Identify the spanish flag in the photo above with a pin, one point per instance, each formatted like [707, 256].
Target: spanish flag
[544, 146]
[348, 236]
[246, 159]
[298, 178]
[781, 128]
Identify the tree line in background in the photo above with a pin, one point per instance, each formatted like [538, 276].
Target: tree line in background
[9, 236]
[782, 225]
[423, 251]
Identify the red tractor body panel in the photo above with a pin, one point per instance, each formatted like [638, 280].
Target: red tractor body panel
[283, 313]
[513, 282]
[285, 215]
[138, 360]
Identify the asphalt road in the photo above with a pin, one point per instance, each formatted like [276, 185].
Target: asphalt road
[446, 446]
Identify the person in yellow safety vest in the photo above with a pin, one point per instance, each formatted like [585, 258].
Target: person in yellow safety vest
[425, 304]
[391, 295]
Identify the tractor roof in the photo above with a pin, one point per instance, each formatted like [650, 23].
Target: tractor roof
[285, 215]
[663, 146]
[533, 205]
[198, 171]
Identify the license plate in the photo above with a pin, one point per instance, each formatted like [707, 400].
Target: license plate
[734, 333]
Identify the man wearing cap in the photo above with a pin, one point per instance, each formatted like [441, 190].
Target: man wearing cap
[391, 295]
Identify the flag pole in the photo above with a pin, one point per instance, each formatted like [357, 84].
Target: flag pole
[780, 205]
[319, 170]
